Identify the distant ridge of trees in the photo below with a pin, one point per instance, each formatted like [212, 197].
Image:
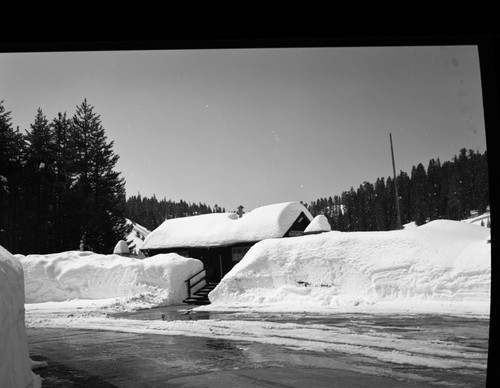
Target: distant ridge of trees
[151, 212]
[449, 190]
[59, 189]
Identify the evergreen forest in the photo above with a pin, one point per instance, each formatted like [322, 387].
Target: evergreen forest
[449, 190]
[59, 190]
[151, 212]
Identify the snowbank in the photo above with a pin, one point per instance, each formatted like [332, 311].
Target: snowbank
[15, 364]
[218, 229]
[443, 261]
[87, 275]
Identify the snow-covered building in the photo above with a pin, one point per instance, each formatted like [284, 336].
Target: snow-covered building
[220, 240]
[136, 238]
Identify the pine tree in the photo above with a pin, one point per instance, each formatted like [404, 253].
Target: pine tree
[405, 193]
[479, 172]
[482, 175]
[419, 194]
[465, 186]
[66, 228]
[433, 188]
[39, 184]
[350, 201]
[97, 186]
[6, 134]
[391, 205]
[366, 203]
[339, 213]
[380, 207]
[11, 165]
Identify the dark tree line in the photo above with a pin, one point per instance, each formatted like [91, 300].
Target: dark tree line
[449, 190]
[58, 186]
[151, 212]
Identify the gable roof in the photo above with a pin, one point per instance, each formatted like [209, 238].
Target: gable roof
[222, 229]
[318, 224]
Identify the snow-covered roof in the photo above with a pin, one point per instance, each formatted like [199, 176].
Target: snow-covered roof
[136, 228]
[222, 229]
[318, 224]
[136, 237]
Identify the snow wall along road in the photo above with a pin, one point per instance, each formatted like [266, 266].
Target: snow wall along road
[442, 261]
[15, 364]
[87, 275]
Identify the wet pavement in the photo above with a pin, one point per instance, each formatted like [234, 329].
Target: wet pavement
[84, 358]
[94, 358]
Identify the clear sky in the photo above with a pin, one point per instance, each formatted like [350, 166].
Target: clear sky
[259, 126]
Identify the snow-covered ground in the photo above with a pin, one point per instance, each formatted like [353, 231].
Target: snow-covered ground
[440, 267]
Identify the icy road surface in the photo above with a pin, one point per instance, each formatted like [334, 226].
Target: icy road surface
[425, 349]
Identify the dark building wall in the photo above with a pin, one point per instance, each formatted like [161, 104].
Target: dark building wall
[218, 261]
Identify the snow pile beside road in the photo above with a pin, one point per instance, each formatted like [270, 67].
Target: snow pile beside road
[15, 364]
[443, 261]
[87, 275]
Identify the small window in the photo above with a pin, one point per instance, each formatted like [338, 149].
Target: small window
[239, 252]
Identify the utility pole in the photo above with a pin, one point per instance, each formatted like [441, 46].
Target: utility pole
[398, 216]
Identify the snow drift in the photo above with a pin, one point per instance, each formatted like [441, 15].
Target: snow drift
[87, 275]
[15, 364]
[445, 261]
